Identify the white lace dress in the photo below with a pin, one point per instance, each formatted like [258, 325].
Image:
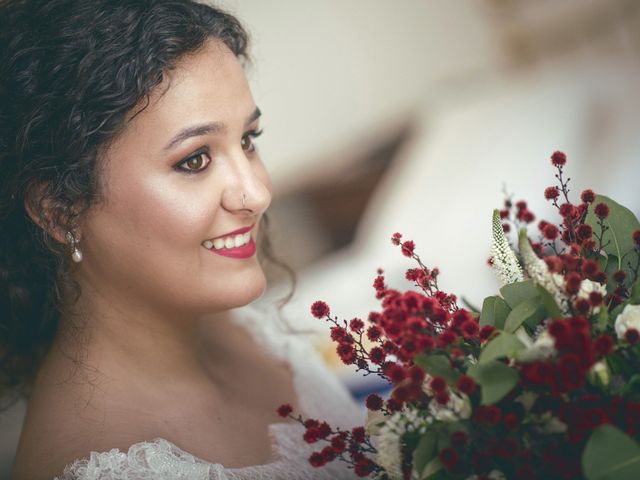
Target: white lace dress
[321, 396]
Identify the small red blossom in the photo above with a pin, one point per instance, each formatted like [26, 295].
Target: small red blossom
[603, 345]
[620, 276]
[572, 283]
[584, 231]
[317, 459]
[567, 210]
[551, 193]
[466, 384]
[459, 439]
[588, 196]
[632, 336]
[550, 232]
[357, 433]
[636, 238]
[442, 398]
[319, 309]
[511, 421]
[486, 332]
[363, 467]
[356, 325]
[284, 410]
[374, 333]
[408, 247]
[469, 329]
[601, 210]
[377, 355]
[438, 384]
[374, 401]
[395, 238]
[449, 457]
[558, 159]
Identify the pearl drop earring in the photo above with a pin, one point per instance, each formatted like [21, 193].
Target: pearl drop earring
[76, 255]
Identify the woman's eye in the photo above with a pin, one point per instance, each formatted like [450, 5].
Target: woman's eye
[195, 163]
[247, 143]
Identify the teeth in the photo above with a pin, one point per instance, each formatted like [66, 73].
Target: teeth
[228, 242]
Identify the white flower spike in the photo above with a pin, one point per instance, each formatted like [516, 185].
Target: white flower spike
[505, 261]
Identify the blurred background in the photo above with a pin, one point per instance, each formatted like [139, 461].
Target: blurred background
[416, 117]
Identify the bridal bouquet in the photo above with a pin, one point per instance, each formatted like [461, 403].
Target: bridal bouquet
[542, 383]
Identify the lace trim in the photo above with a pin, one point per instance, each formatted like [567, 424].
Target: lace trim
[320, 393]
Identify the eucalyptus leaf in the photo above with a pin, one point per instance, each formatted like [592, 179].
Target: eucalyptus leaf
[424, 452]
[549, 303]
[602, 319]
[610, 454]
[503, 345]
[621, 222]
[516, 293]
[486, 316]
[437, 365]
[530, 311]
[635, 293]
[495, 379]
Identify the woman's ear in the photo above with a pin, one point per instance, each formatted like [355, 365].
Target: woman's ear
[44, 212]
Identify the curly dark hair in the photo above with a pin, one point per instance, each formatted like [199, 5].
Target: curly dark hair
[71, 73]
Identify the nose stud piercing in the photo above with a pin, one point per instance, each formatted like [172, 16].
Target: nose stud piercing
[76, 255]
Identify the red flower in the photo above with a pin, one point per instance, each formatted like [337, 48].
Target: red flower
[550, 232]
[377, 355]
[357, 434]
[572, 285]
[466, 384]
[374, 333]
[567, 210]
[319, 309]
[448, 457]
[601, 210]
[374, 401]
[589, 268]
[363, 467]
[284, 410]
[317, 459]
[311, 435]
[603, 345]
[558, 159]
[346, 353]
[356, 325]
[632, 336]
[619, 276]
[438, 384]
[416, 373]
[395, 373]
[469, 329]
[551, 193]
[636, 237]
[595, 298]
[584, 231]
[588, 196]
[582, 305]
[395, 238]
[442, 398]
[486, 332]
[407, 248]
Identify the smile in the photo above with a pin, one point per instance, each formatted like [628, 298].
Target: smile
[232, 241]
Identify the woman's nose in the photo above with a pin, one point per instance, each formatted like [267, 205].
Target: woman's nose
[249, 188]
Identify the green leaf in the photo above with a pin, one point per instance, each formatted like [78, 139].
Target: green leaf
[621, 222]
[504, 345]
[424, 452]
[634, 299]
[530, 311]
[602, 320]
[610, 454]
[438, 365]
[549, 303]
[516, 293]
[494, 312]
[495, 380]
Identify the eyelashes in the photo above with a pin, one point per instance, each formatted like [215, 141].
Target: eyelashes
[200, 160]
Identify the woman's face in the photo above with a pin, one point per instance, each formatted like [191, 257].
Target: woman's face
[174, 180]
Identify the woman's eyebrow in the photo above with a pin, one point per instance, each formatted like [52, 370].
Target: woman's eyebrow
[205, 129]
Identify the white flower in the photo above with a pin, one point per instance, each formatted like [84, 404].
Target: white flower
[372, 421]
[388, 441]
[629, 318]
[587, 286]
[599, 374]
[505, 261]
[539, 272]
[457, 408]
[543, 347]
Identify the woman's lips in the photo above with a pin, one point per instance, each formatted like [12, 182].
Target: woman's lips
[245, 251]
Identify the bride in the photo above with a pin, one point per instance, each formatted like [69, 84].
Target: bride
[132, 213]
